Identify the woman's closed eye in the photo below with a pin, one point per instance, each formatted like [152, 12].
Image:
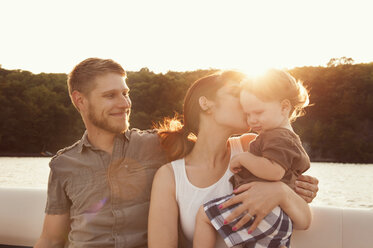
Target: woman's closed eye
[111, 95]
[234, 91]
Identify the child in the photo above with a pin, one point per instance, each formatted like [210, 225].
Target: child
[271, 103]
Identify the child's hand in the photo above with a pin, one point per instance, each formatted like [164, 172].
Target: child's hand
[235, 164]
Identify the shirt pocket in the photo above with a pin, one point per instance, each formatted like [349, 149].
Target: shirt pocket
[135, 180]
[87, 189]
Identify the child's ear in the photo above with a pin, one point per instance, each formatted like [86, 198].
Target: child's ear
[286, 107]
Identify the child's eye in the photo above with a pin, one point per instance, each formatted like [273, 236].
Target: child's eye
[109, 95]
[236, 92]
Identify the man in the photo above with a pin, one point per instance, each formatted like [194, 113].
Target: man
[99, 188]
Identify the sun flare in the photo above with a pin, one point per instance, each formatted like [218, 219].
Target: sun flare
[254, 70]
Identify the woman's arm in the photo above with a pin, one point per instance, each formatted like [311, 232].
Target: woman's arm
[246, 139]
[163, 213]
[259, 198]
[296, 208]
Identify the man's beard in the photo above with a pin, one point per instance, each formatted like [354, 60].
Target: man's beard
[104, 124]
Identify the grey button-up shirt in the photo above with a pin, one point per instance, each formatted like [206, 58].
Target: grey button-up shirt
[106, 196]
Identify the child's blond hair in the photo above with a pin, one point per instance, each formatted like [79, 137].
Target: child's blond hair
[279, 85]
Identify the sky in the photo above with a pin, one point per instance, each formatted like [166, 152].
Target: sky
[52, 36]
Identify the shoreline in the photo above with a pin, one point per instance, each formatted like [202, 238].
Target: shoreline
[48, 154]
[26, 155]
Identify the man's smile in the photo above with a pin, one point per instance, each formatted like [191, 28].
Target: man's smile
[121, 113]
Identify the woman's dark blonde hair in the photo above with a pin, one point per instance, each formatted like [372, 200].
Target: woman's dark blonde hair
[178, 135]
[278, 85]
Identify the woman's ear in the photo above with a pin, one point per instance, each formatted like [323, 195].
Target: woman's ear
[286, 107]
[205, 104]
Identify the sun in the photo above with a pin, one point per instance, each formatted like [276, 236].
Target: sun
[253, 70]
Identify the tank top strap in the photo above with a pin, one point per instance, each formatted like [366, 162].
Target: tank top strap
[179, 170]
[236, 145]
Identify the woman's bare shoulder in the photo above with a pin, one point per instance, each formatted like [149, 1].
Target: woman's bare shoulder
[166, 169]
[246, 139]
[165, 174]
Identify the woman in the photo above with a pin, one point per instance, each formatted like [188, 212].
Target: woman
[212, 112]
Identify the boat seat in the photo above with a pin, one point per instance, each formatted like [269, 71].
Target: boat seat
[336, 228]
[22, 215]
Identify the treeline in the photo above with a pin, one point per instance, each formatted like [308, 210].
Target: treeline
[37, 115]
[339, 125]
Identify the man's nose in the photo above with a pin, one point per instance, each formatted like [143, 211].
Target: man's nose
[125, 102]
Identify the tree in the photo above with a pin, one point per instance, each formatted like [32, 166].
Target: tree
[340, 61]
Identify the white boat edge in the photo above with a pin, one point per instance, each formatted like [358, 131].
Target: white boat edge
[22, 215]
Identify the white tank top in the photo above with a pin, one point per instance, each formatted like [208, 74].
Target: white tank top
[190, 197]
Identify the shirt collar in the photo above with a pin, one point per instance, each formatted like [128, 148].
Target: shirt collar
[127, 134]
[84, 142]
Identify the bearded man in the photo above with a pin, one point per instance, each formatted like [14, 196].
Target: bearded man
[99, 188]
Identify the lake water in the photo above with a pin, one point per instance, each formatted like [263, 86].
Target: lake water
[341, 185]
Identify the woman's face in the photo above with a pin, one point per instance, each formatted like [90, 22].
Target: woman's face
[227, 109]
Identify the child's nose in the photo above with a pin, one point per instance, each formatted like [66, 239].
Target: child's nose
[252, 120]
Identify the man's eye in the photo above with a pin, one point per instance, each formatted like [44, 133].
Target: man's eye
[110, 96]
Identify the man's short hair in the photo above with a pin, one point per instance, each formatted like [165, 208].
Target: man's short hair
[82, 77]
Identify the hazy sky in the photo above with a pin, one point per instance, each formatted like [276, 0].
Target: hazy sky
[53, 36]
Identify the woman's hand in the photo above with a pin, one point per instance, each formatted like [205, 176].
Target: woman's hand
[307, 187]
[258, 199]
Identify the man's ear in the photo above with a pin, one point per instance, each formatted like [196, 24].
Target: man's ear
[205, 104]
[286, 107]
[78, 100]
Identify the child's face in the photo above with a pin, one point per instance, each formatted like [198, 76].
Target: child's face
[262, 116]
